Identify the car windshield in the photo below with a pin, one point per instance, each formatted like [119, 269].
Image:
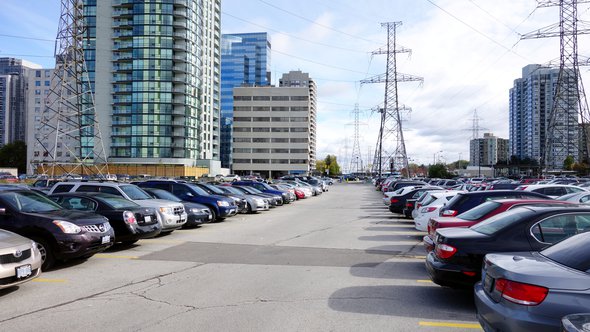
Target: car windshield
[252, 190]
[214, 189]
[233, 190]
[163, 194]
[566, 197]
[119, 202]
[500, 221]
[572, 252]
[479, 211]
[197, 189]
[134, 192]
[29, 202]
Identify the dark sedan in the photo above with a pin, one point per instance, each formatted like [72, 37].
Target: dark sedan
[60, 234]
[532, 291]
[398, 202]
[130, 221]
[458, 253]
[197, 213]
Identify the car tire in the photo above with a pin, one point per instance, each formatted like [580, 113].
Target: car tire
[249, 209]
[47, 255]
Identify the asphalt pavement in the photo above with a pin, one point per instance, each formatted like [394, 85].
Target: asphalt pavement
[337, 262]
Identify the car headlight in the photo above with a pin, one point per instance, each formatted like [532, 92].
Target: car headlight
[222, 203]
[67, 227]
[166, 210]
[260, 202]
[196, 210]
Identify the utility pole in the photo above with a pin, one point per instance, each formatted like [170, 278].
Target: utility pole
[562, 134]
[356, 160]
[69, 140]
[391, 117]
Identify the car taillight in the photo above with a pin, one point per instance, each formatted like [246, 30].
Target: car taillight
[448, 213]
[394, 200]
[519, 293]
[409, 205]
[445, 251]
[521, 188]
[129, 217]
[418, 205]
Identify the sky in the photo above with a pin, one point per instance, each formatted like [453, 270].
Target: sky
[469, 53]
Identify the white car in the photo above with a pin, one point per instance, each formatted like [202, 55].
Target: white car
[230, 178]
[432, 207]
[552, 190]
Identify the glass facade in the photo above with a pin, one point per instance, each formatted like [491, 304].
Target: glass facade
[158, 76]
[245, 59]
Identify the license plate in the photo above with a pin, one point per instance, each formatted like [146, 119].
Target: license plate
[23, 271]
[147, 218]
[106, 239]
[210, 217]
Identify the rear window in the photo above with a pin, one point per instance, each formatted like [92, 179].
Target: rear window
[479, 211]
[500, 221]
[134, 192]
[63, 188]
[572, 252]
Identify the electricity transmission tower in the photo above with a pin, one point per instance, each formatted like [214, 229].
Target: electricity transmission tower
[356, 160]
[68, 139]
[391, 113]
[569, 107]
[475, 127]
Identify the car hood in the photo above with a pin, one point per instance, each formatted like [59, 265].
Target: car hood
[9, 240]
[75, 217]
[193, 205]
[534, 268]
[156, 203]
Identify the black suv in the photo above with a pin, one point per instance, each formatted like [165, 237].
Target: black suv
[60, 234]
[466, 201]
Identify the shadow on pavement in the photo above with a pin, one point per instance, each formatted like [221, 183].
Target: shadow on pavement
[410, 270]
[393, 238]
[427, 302]
[399, 228]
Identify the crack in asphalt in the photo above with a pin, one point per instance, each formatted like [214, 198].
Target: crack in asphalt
[95, 295]
[301, 235]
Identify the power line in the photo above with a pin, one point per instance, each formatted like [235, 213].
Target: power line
[24, 37]
[317, 63]
[316, 23]
[292, 36]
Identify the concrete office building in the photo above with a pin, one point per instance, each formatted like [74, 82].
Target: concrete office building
[274, 130]
[531, 101]
[245, 60]
[13, 102]
[155, 67]
[488, 151]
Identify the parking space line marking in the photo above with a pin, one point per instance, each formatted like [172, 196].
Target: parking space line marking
[48, 280]
[115, 256]
[424, 281]
[457, 325]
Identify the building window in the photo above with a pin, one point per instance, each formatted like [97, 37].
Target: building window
[299, 140]
[260, 161]
[280, 140]
[261, 109]
[299, 119]
[280, 109]
[280, 119]
[280, 150]
[242, 119]
[242, 130]
[298, 161]
[243, 98]
[260, 150]
[261, 119]
[299, 98]
[299, 130]
[260, 140]
[261, 130]
[299, 151]
[280, 161]
[242, 140]
[242, 150]
[242, 161]
[280, 130]
[280, 98]
[261, 98]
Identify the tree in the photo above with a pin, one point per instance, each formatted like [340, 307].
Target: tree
[14, 155]
[331, 165]
[438, 171]
[320, 166]
[568, 163]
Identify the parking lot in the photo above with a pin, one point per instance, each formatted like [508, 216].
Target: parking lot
[337, 262]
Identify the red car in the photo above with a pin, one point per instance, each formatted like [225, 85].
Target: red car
[299, 194]
[480, 213]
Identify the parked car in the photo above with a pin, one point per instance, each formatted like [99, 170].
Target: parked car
[274, 200]
[171, 215]
[582, 197]
[532, 291]
[458, 253]
[230, 178]
[45, 184]
[60, 234]
[211, 189]
[430, 208]
[130, 221]
[398, 202]
[480, 213]
[197, 214]
[467, 201]
[287, 188]
[575, 322]
[221, 207]
[395, 185]
[265, 188]
[20, 259]
[551, 190]
[254, 203]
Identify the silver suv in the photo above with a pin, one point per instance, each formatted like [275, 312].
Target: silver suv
[171, 215]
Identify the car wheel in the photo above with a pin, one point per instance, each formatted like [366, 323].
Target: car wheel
[214, 216]
[46, 250]
[249, 208]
